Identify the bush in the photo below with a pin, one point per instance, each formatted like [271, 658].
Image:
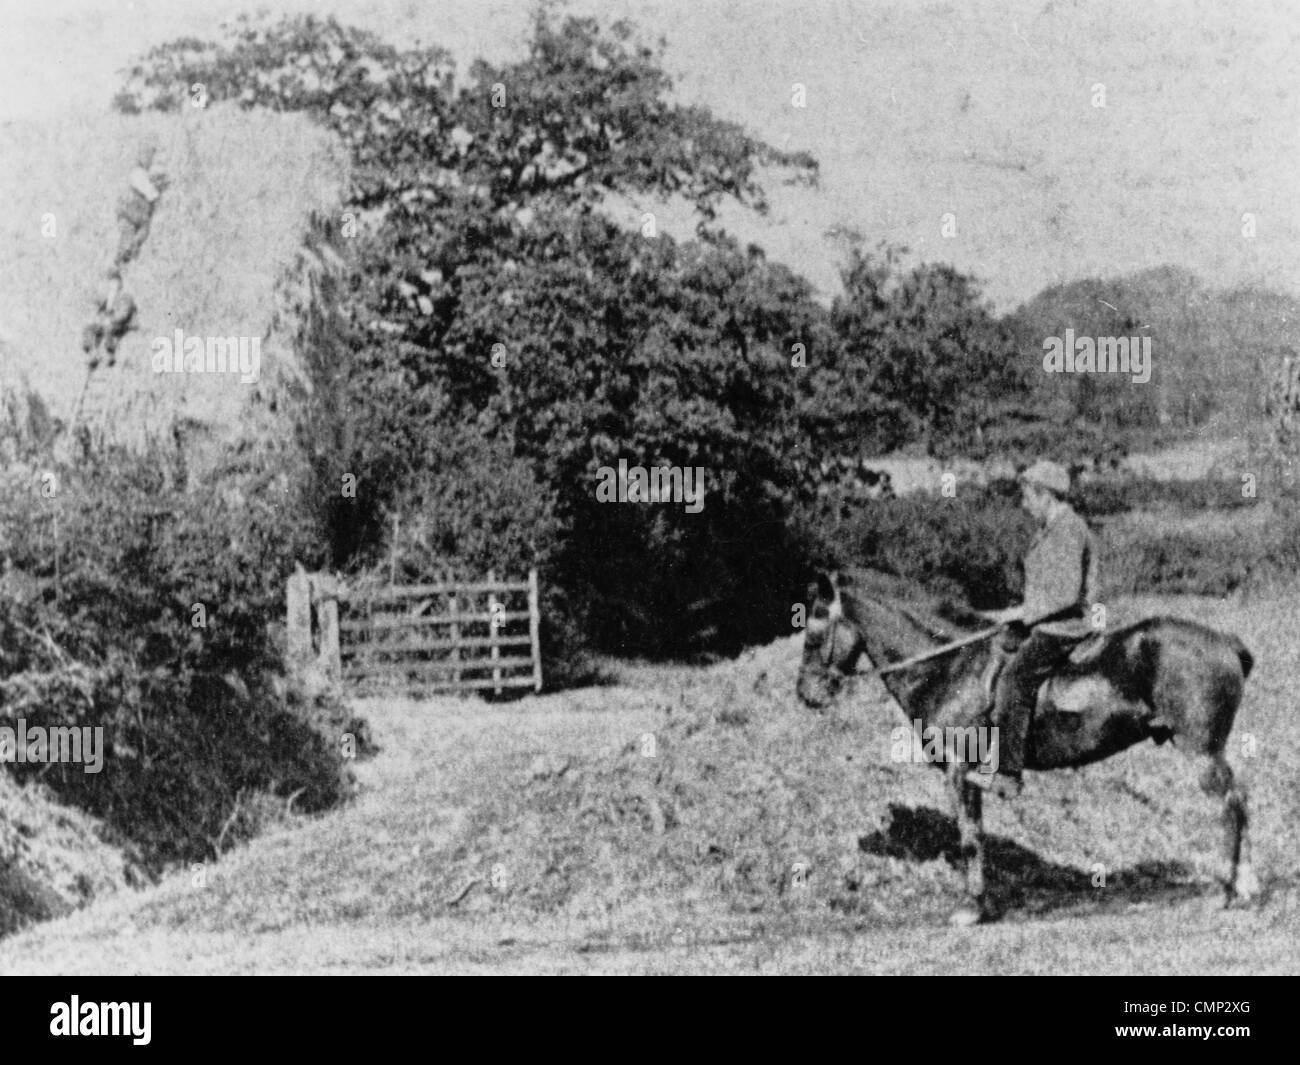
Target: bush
[474, 506]
[1207, 554]
[153, 612]
[1118, 495]
[1182, 564]
[971, 545]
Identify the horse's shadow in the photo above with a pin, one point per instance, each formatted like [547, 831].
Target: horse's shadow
[1019, 880]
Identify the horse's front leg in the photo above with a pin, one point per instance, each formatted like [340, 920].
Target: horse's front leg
[967, 802]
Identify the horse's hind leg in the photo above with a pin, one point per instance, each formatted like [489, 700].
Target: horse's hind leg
[968, 806]
[1218, 780]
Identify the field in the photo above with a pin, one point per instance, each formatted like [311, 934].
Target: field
[699, 819]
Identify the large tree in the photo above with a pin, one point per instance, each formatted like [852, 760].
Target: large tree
[922, 357]
[489, 292]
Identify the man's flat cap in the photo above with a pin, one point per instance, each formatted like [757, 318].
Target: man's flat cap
[1049, 475]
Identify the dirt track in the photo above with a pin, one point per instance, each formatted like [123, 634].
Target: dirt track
[1192, 937]
[366, 889]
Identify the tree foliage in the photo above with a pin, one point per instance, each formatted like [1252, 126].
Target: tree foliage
[923, 359]
[490, 298]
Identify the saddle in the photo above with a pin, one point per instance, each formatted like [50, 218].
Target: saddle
[1077, 651]
[1086, 650]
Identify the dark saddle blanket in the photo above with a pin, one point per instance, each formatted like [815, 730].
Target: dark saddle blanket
[1075, 651]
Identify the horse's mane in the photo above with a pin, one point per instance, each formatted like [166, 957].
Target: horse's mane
[943, 617]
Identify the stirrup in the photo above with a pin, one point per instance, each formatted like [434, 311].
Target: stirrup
[1001, 785]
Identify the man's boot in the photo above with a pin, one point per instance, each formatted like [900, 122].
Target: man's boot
[1015, 693]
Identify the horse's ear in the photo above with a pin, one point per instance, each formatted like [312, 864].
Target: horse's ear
[823, 587]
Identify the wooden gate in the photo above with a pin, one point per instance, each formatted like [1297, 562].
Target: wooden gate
[449, 636]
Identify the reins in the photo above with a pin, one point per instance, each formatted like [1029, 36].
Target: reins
[934, 652]
[828, 656]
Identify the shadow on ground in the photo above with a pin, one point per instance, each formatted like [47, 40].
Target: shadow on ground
[1020, 882]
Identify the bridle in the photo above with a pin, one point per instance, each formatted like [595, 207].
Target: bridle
[835, 616]
[828, 644]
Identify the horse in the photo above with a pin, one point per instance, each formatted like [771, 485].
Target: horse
[1162, 679]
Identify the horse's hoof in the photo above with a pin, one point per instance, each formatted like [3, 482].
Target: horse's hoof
[1245, 888]
[966, 916]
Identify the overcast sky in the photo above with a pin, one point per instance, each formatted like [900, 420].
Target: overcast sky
[981, 110]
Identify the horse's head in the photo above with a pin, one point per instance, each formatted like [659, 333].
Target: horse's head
[831, 645]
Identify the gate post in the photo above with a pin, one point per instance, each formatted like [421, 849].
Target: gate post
[325, 599]
[298, 603]
[328, 616]
[534, 628]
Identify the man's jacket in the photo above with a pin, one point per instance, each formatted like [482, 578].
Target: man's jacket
[1061, 576]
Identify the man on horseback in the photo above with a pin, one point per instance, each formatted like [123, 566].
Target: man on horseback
[1060, 579]
[1159, 679]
